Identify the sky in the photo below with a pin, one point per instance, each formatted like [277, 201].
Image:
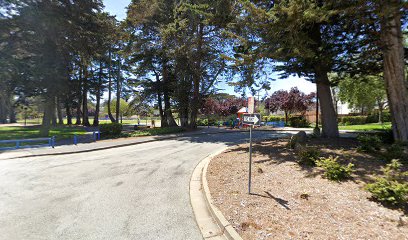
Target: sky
[118, 8]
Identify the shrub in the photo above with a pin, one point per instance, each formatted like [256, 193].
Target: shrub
[392, 187]
[291, 143]
[333, 170]
[394, 151]
[369, 143]
[272, 118]
[308, 155]
[373, 118]
[352, 120]
[298, 122]
[386, 136]
[110, 129]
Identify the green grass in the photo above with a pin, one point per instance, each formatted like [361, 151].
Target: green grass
[155, 131]
[367, 127]
[101, 121]
[17, 132]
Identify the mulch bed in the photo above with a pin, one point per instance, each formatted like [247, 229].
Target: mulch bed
[290, 201]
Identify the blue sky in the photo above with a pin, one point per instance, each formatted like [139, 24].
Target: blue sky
[118, 8]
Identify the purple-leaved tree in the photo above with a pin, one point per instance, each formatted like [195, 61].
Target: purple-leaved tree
[293, 101]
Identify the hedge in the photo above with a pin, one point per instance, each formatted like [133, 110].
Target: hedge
[272, 118]
[359, 120]
[298, 122]
[110, 129]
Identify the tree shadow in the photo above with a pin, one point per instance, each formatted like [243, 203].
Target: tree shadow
[281, 201]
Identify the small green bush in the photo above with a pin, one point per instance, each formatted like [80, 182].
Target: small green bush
[369, 143]
[272, 118]
[110, 129]
[291, 143]
[392, 187]
[333, 170]
[308, 155]
[394, 151]
[386, 136]
[298, 122]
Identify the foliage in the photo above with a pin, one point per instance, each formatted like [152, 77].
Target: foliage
[273, 118]
[298, 122]
[334, 170]
[392, 187]
[394, 151]
[373, 117]
[124, 108]
[290, 102]
[308, 155]
[222, 105]
[353, 91]
[156, 131]
[369, 142]
[386, 135]
[352, 120]
[359, 120]
[110, 130]
[206, 122]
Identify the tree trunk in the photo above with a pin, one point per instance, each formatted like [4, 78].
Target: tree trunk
[286, 117]
[317, 107]
[49, 112]
[85, 116]
[98, 97]
[110, 88]
[118, 92]
[328, 115]
[196, 79]
[166, 97]
[394, 74]
[78, 111]
[11, 110]
[163, 119]
[59, 112]
[3, 108]
[79, 103]
[69, 113]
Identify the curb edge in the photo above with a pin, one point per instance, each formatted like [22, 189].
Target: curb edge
[225, 227]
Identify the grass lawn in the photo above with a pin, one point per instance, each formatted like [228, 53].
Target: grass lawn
[21, 132]
[102, 121]
[367, 127]
[155, 131]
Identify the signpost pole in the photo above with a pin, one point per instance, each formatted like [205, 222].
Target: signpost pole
[250, 159]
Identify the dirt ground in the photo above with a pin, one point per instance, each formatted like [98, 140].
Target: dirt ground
[294, 202]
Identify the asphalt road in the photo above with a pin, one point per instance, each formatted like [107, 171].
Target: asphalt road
[134, 192]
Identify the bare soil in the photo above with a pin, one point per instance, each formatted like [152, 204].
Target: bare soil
[290, 201]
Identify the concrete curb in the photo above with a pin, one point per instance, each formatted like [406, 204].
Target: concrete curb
[209, 218]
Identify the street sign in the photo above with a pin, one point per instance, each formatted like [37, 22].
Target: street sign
[251, 105]
[252, 119]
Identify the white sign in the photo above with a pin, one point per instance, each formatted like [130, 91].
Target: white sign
[251, 105]
[251, 119]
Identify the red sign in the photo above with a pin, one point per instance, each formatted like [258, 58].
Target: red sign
[251, 105]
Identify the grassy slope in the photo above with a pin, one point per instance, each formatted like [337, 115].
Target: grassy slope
[367, 127]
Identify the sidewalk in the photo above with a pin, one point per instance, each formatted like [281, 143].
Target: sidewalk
[103, 144]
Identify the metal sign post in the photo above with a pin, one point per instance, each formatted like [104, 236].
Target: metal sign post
[250, 159]
[251, 120]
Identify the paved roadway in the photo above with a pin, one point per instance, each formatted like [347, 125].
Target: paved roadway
[133, 192]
